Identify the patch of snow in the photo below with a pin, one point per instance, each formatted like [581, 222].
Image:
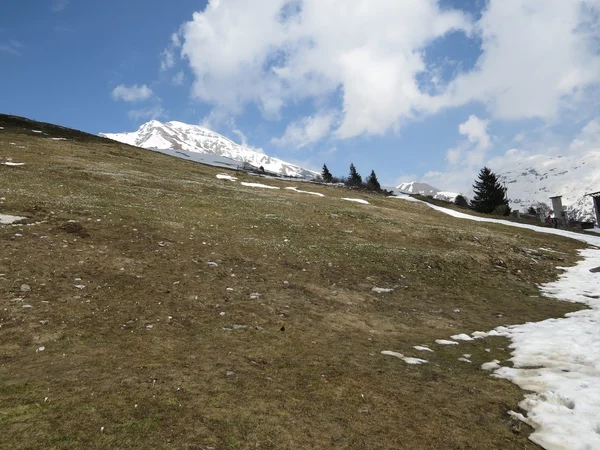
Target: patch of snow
[463, 359]
[462, 337]
[492, 365]
[357, 200]
[406, 359]
[318, 194]
[224, 176]
[382, 290]
[37, 131]
[558, 360]
[258, 185]
[10, 163]
[422, 348]
[6, 219]
[58, 139]
[445, 342]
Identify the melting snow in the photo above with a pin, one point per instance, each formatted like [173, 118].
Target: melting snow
[357, 200]
[258, 185]
[462, 337]
[445, 342]
[37, 131]
[58, 139]
[422, 348]
[5, 219]
[305, 192]
[492, 365]
[558, 360]
[224, 176]
[382, 290]
[10, 163]
[406, 359]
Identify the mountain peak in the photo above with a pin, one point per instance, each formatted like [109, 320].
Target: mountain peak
[181, 136]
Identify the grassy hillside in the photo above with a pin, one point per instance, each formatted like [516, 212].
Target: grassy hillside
[144, 303]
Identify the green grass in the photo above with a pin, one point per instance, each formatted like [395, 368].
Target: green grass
[137, 229]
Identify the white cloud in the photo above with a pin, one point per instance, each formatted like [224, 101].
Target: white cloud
[264, 53]
[472, 151]
[133, 93]
[307, 131]
[178, 79]
[476, 131]
[59, 5]
[536, 57]
[588, 138]
[167, 59]
[13, 47]
[152, 113]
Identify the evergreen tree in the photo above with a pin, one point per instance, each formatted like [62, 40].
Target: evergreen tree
[531, 210]
[326, 174]
[354, 179]
[489, 193]
[373, 182]
[461, 201]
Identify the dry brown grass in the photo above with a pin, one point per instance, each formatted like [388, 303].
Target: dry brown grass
[141, 358]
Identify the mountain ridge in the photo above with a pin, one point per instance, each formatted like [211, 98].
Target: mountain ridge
[179, 136]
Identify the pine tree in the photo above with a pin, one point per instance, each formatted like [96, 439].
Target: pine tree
[531, 210]
[373, 182]
[326, 174]
[489, 193]
[461, 201]
[354, 179]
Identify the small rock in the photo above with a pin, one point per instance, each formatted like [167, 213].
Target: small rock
[40, 349]
[25, 288]
[79, 286]
[254, 296]
[222, 313]
[230, 373]
[212, 264]
[27, 306]
[382, 290]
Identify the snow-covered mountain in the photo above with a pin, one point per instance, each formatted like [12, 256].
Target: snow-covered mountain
[539, 177]
[416, 187]
[180, 136]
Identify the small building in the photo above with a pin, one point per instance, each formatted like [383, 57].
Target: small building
[596, 198]
[559, 212]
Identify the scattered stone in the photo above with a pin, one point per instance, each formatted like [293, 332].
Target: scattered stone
[230, 373]
[254, 296]
[40, 349]
[222, 313]
[27, 306]
[212, 264]
[79, 286]
[382, 290]
[25, 288]
[595, 270]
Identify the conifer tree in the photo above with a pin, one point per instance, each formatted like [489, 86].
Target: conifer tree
[373, 182]
[489, 193]
[326, 174]
[461, 201]
[531, 210]
[354, 179]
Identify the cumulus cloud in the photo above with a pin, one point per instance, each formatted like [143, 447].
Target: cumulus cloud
[369, 58]
[476, 131]
[588, 137]
[307, 131]
[535, 55]
[278, 52]
[472, 151]
[133, 93]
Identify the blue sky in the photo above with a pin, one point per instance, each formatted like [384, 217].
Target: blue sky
[415, 89]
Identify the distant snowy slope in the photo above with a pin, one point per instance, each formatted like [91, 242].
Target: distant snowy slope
[416, 187]
[539, 177]
[179, 136]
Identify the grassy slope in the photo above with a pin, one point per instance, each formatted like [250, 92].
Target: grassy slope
[137, 228]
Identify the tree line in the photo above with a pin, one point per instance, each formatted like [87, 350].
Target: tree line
[354, 180]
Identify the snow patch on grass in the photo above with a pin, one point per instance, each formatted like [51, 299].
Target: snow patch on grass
[258, 185]
[406, 359]
[357, 200]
